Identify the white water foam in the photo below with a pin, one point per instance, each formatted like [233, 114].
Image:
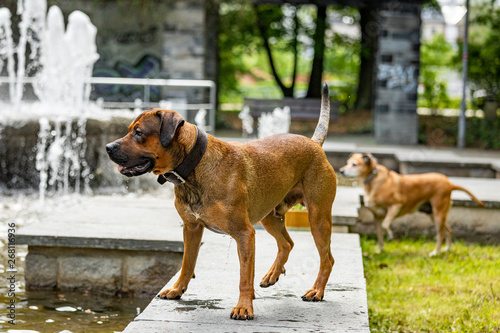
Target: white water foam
[275, 122]
[61, 61]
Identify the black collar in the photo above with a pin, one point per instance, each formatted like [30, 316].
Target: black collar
[371, 176]
[183, 170]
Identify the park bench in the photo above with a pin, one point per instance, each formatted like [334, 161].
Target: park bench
[301, 109]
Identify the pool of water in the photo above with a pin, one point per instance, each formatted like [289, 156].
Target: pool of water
[52, 311]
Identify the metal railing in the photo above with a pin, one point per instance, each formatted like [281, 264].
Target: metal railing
[146, 103]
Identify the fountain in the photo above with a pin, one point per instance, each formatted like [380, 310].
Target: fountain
[275, 122]
[52, 139]
[246, 121]
[52, 135]
[58, 66]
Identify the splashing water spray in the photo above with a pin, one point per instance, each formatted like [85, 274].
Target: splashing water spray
[59, 65]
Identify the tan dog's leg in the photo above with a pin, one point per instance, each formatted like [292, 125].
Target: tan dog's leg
[448, 236]
[193, 232]
[276, 227]
[245, 240]
[392, 212]
[440, 210]
[321, 229]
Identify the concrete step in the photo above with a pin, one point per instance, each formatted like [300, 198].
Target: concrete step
[408, 159]
[345, 206]
[206, 305]
[107, 244]
[487, 190]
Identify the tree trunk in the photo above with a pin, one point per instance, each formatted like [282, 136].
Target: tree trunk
[287, 91]
[365, 96]
[295, 48]
[314, 90]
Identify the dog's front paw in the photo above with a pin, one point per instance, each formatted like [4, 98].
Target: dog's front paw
[242, 313]
[313, 295]
[171, 293]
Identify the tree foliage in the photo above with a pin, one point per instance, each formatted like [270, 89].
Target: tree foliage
[284, 40]
[484, 49]
[436, 56]
[237, 37]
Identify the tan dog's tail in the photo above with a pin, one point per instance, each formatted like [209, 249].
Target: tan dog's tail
[460, 188]
[321, 130]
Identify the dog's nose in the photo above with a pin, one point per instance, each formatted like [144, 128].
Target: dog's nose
[111, 147]
[341, 172]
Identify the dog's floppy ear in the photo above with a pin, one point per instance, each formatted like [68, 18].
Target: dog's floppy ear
[170, 122]
[367, 158]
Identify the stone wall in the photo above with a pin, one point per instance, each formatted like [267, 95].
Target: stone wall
[117, 272]
[398, 58]
[136, 39]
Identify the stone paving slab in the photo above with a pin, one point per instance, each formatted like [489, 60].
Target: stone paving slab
[138, 222]
[346, 204]
[207, 303]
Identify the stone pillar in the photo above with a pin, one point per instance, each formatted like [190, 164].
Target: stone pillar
[395, 113]
[190, 40]
[189, 49]
[183, 40]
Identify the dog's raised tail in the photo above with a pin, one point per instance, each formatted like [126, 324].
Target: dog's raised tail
[321, 130]
[463, 189]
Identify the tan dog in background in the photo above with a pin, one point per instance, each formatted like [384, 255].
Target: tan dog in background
[390, 195]
[233, 187]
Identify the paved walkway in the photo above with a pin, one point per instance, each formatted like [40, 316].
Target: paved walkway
[206, 305]
[148, 222]
[129, 221]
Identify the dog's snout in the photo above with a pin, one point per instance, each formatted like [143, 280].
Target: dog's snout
[111, 147]
[342, 171]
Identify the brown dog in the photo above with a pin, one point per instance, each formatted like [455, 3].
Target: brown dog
[390, 195]
[229, 187]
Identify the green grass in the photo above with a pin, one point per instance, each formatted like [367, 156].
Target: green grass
[408, 291]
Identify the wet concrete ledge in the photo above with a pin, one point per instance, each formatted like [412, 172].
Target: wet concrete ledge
[206, 305]
[123, 245]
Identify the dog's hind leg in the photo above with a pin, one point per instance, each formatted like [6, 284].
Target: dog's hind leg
[321, 229]
[276, 227]
[440, 210]
[319, 188]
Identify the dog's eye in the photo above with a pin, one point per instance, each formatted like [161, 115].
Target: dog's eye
[138, 133]
[355, 164]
